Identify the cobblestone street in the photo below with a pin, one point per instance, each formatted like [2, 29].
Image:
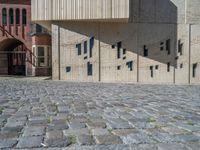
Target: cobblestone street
[54, 115]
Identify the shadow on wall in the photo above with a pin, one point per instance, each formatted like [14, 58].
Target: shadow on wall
[151, 31]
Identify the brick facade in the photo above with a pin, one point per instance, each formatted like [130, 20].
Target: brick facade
[41, 40]
[15, 21]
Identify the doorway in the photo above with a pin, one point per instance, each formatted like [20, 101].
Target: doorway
[13, 57]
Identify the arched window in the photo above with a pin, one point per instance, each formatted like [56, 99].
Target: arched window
[17, 13]
[24, 16]
[11, 16]
[4, 16]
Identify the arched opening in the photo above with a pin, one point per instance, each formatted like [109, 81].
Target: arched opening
[24, 17]
[17, 13]
[4, 16]
[13, 57]
[11, 16]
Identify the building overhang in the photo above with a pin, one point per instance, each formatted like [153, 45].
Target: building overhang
[81, 10]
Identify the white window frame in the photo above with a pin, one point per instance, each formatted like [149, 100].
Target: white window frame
[47, 55]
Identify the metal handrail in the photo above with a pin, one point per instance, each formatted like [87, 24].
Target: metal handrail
[32, 56]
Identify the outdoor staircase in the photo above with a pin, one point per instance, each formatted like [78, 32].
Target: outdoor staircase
[4, 33]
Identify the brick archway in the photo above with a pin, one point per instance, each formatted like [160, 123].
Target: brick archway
[12, 57]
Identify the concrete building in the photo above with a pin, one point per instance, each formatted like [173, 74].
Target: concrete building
[25, 47]
[147, 41]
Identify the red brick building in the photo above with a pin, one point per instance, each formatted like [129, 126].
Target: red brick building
[25, 47]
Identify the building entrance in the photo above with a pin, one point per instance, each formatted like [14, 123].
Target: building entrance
[12, 57]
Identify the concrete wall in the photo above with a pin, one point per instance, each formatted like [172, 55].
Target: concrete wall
[193, 11]
[195, 52]
[80, 9]
[182, 67]
[105, 61]
[151, 24]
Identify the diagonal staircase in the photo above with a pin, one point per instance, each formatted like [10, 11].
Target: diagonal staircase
[30, 57]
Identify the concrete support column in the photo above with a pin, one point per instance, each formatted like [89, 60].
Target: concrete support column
[55, 53]
[138, 56]
[99, 46]
[189, 75]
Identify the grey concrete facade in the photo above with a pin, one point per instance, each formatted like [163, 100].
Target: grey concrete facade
[157, 43]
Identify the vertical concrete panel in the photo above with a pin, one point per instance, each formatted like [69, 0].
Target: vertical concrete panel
[151, 36]
[182, 67]
[111, 34]
[193, 12]
[55, 52]
[195, 53]
[72, 34]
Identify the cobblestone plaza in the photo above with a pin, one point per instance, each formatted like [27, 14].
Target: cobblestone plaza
[54, 115]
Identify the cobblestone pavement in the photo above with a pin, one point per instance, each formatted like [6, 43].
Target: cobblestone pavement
[57, 115]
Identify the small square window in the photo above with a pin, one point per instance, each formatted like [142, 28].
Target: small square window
[130, 65]
[89, 69]
[194, 70]
[68, 69]
[113, 46]
[119, 46]
[156, 67]
[85, 47]
[168, 46]
[176, 58]
[146, 52]
[181, 66]
[78, 46]
[124, 57]
[180, 47]
[118, 67]
[168, 67]
[151, 69]
[124, 51]
[161, 46]
[91, 45]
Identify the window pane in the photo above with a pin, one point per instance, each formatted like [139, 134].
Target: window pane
[24, 17]
[40, 51]
[168, 46]
[91, 45]
[78, 46]
[89, 69]
[130, 65]
[194, 69]
[85, 47]
[4, 16]
[17, 16]
[41, 62]
[119, 46]
[11, 18]
[168, 67]
[146, 51]
[68, 69]
[124, 51]
[151, 69]
[38, 28]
